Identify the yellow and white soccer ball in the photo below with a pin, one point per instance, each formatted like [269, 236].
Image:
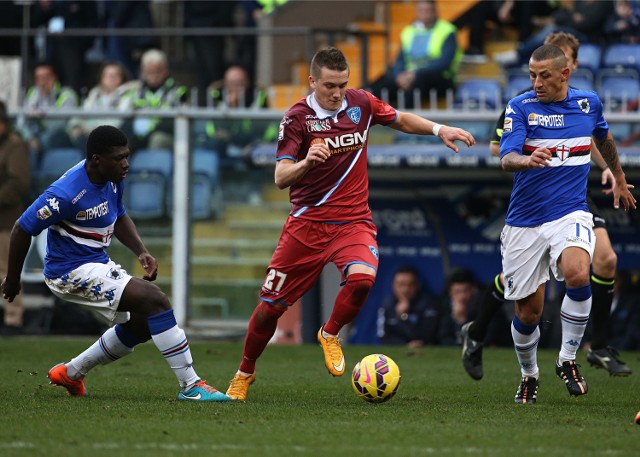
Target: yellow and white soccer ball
[376, 378]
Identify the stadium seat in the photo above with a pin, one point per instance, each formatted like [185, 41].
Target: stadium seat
[207, 162]
[145, 195]
[622, 56]
[590, 57]
[480, 130]
[617, 89]
[55, 162]
[206, 191]
[582, 79]
[620, 130]
[477, 94]
[152, 160]
[516, 83]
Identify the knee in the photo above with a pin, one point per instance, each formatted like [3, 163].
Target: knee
[158, 301]
[577, 278]
[360, 285]
[604, 264]
[270, 311]
[528, 316]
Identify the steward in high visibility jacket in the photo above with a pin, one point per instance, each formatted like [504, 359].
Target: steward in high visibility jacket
[47, 94]
[157, 90]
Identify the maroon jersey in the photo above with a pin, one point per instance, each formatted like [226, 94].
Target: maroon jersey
[337, 190]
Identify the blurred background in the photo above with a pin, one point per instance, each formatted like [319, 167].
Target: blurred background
[200, 88]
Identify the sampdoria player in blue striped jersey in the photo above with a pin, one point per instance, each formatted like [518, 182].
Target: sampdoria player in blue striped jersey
[546, 143]
[82, 211]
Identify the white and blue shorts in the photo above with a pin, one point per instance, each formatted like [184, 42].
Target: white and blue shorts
[529, 252]
[95, 286]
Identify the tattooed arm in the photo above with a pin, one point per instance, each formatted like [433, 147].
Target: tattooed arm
[609, 152]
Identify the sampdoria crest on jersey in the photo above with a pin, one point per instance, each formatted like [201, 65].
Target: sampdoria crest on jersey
[562, 152]
[584, 105]
[53, 202]
[354, 114]
[44, 213]
[509, 283]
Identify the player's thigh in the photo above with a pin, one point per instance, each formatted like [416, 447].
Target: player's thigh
[143, 297]
[574, 230]
[293, 270]
[525, 261]
[356, 247]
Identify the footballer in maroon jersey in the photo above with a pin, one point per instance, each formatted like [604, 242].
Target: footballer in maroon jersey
[322, 158]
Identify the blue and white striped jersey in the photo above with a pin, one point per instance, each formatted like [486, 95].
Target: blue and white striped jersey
[565, 128]
[80, 216]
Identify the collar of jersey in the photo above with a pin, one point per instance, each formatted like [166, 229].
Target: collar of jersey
[322, 113]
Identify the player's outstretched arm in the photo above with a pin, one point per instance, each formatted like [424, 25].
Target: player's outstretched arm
[125, 231]
[412, 123]
[622, 191]
[19, 244]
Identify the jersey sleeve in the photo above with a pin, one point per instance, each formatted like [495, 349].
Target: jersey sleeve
[290, 137]
[601, 128]
[48, 209]
[382, 112]
[514, 130]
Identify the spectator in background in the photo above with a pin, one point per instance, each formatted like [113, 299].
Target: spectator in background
[623, 25]
[15, 178]
[234, 138]
[47, 94]
[129, 49]
[583, 18]
[105, 96]
[209, 50]
[67, 52]
[409, 316]
[461, 291]
[462, 301]
[523, 15]
[429, 58]
[157, 90]
[251, 14]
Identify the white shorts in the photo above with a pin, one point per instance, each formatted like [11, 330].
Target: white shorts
[529, 252]
[96, 286]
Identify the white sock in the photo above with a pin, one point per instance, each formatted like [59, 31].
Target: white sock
[107, 349]
[172, 343]
[526, 346]
[574, 316]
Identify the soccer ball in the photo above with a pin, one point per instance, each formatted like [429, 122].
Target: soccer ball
[376, 378]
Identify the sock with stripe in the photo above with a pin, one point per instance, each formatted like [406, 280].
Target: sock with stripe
[602, 297]
[525, 342]
[172, 343]
[574, 315]
[114, 344]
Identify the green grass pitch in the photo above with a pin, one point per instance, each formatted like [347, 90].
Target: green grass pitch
[296, 408]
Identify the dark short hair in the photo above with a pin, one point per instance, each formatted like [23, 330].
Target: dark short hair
[103, 139]
[330, 58]
[408, 269]
[549, 52]
[459, 275]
